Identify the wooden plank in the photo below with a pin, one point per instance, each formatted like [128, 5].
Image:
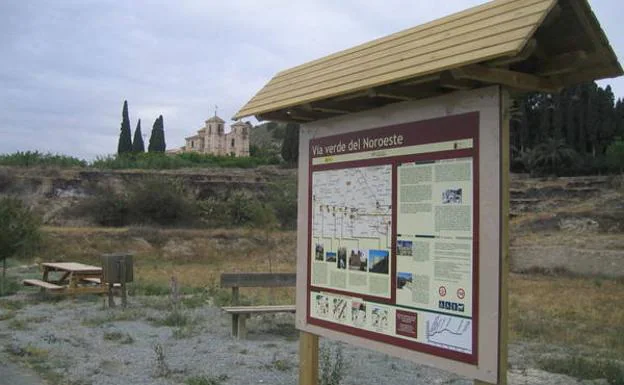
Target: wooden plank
[43, 284]
[259, 309]
[504, 239]
[564, 63]
[241, 332]
[484, 29]
[448, 81]
[92, 280]
[258, 279]
[475, 51]
[508, 78]
[491, 34]
[528, 50]
[394, 75]
[71, 266]
[442, 26]
[84, 290]
[308, 359]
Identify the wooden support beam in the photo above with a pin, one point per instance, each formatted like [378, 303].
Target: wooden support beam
[507, 78]
[308, 359]
[583, 19]
[299, 118]
[311, 107]
[587, 74]
[355, 95]
[528, 50]
[372, 93]
[421, 80]
[553, 16]
[282, 117]
[448, 81]
[564, 63]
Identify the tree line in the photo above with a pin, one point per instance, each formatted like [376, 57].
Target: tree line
[576, 131]
[128, 145]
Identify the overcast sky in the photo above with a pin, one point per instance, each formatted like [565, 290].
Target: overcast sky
[68, 65]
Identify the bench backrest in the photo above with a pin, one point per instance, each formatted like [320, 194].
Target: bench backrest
[258, 279]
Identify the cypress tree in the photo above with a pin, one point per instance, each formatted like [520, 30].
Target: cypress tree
[157, 139]
[290, 145]
[125, 136]
[162, 145]
[137, 144]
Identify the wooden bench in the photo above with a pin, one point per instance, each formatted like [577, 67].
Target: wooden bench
[42, 284]
[241, 313]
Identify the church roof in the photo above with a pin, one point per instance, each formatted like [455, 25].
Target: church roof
[215, 119]
[528, 45]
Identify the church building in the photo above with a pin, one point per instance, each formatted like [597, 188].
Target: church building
[212, 139]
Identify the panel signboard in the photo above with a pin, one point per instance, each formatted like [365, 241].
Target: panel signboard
[392, 241]
[392, 249]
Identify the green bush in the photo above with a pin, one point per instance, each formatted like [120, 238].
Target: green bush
[35, 158]
[19, 229]
[237, 210]
[283, 200]
[615, 156]
[552, 157]
[7, 181]
[159, 161]
[162, 201]
[153, 200]
[107, 207]
[332, 365]
[19, 232]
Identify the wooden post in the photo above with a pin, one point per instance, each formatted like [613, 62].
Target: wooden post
[3, 276]
[122, 273]
[308, 358]
[505, 104]
[111, 300]
[235, 296]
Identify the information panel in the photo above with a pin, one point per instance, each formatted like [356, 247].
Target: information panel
[393, 218]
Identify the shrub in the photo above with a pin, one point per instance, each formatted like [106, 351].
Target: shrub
[551, 157]
[159, 161]
[35, 158]
[283, 200]
[19, 231]
[7, 180]
[332, 365]
[161, 201]
[236, 210]
[615, 156]
[107, 207]
[158, 201]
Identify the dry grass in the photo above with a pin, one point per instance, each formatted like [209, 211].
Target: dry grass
[585, 313]
[582, 312]
[195, 257]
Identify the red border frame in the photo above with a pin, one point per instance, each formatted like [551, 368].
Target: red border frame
[456, 127]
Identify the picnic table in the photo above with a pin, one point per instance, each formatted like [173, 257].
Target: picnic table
[70, 278]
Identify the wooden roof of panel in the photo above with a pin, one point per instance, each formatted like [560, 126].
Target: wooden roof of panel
[526, 44]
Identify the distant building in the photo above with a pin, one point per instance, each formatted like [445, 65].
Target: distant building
[212, 139]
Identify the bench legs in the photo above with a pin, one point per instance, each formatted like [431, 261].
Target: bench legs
[239, 326]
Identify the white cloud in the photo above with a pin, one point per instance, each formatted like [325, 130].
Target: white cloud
[71, 63]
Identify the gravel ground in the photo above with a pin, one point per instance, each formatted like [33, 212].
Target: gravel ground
[85, 343]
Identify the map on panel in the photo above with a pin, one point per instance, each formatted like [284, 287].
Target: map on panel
[352, 229]
[354, 203]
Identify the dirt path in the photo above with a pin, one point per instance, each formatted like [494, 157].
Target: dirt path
[12, 374]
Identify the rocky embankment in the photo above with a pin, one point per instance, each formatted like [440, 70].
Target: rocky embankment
[572, 225]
